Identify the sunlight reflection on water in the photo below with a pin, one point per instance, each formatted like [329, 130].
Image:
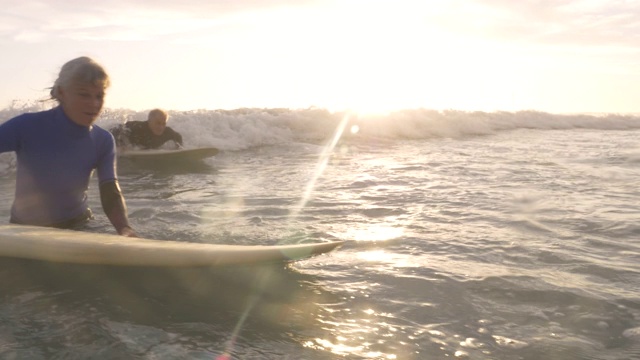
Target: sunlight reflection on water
[370, 233]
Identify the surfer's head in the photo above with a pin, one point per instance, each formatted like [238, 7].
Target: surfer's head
[157, 121]
[80, 89]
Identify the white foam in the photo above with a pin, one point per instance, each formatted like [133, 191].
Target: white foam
[246, 128]
[632, 333]
[506, 342]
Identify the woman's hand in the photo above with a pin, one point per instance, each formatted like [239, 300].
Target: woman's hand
[128, 232]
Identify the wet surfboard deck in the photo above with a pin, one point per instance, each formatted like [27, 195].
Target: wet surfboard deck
[78, 247]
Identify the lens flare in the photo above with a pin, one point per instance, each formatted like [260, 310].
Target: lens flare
[262, 281]
[322, 165]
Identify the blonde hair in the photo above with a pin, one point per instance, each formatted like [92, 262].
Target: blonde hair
[82, 70]
[156, 112]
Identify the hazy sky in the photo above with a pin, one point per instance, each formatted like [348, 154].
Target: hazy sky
[548, 55]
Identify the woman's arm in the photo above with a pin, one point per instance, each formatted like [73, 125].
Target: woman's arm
[115, 208]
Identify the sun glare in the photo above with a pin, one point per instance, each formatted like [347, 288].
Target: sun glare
[394, 59]
[372, 233]
[390, 57]
[369, 62]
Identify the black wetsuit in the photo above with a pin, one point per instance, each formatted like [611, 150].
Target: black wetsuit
[138, 134]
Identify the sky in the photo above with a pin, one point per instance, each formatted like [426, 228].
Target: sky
[558, 56]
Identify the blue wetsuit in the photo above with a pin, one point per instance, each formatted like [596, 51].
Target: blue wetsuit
[56, 158]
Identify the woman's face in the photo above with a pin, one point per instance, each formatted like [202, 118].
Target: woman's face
[82, 103]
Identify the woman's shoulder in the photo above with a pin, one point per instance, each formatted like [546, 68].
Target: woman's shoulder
[101, 135]
[102, 138]
[100, 131]
[26, 119]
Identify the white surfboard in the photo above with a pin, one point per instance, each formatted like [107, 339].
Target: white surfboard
[178, 154]
[77, 247]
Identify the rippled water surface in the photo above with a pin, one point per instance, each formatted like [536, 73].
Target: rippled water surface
[519, 244]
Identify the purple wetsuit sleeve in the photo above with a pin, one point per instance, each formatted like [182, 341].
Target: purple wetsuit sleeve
[9, 135]
[106, 165]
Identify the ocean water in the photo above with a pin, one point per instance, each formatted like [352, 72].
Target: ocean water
[469, 235]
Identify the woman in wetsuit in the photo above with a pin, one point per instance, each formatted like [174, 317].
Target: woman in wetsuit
[57, 151]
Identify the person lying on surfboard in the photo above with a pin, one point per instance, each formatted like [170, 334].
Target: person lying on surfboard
[57, 150]
[150, 134]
